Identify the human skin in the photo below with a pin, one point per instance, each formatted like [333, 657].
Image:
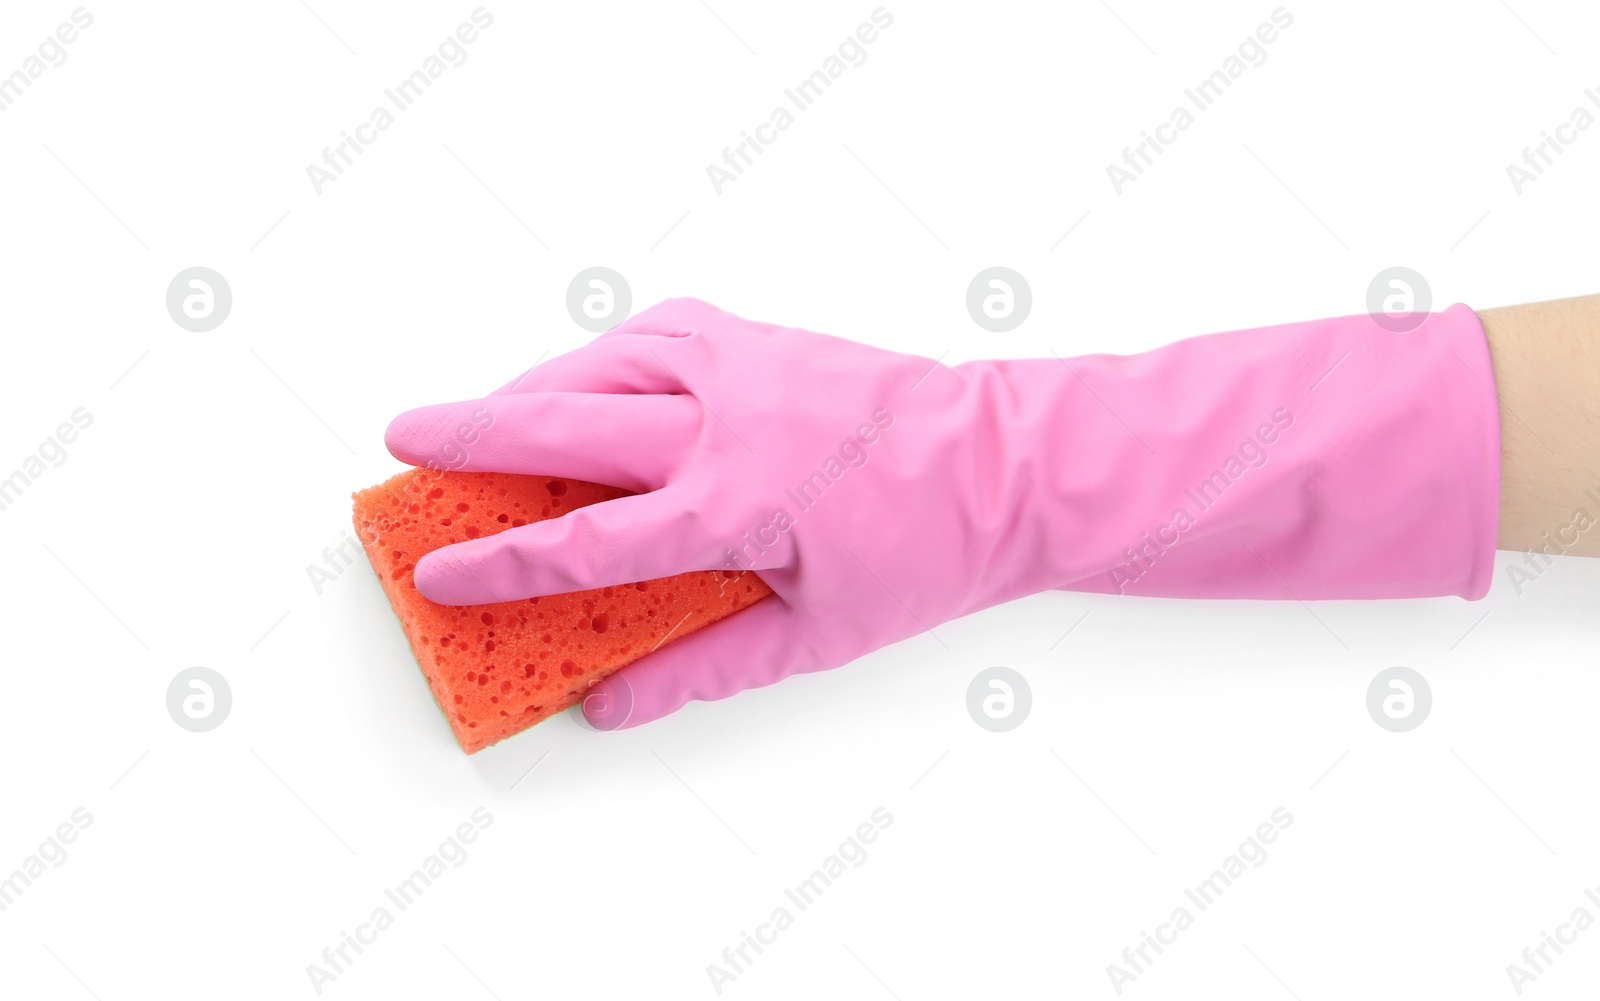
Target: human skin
[1546, 358]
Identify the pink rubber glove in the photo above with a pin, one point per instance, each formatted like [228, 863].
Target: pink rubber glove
[882, 494]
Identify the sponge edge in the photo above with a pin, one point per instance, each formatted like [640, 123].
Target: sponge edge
[498, 669]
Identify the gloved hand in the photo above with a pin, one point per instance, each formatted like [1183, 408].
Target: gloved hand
[881, 494]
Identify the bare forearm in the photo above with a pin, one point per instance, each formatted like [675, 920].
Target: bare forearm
[1546, 359]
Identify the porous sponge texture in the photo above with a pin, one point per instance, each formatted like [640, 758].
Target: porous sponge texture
[498, 669]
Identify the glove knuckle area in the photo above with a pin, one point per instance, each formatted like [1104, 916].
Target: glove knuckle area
[680, 317]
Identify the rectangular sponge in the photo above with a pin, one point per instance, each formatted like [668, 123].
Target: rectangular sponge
[498, 669]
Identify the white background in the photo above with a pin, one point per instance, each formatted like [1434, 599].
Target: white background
[219, 466]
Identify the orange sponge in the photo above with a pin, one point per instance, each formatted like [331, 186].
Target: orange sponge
[498, 669]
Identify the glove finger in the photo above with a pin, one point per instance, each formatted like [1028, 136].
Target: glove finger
[612, 363]
[630, 441]
[619, 541]
[750, 649]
